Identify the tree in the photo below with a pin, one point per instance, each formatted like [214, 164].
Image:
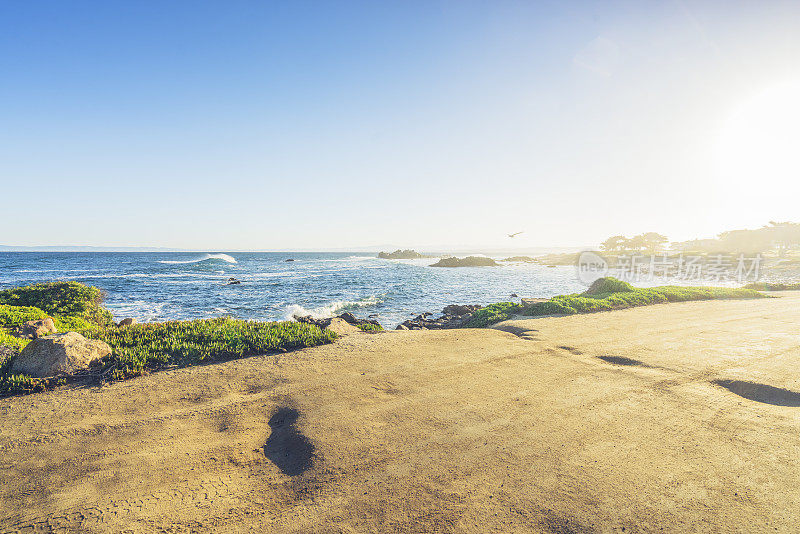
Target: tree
[652, 241]
[745, 241]
[636, 243]
[784, 236]
[614, 243]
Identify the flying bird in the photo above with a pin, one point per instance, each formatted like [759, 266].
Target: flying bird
[514, 234]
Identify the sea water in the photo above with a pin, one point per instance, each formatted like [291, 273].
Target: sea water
[158, 286]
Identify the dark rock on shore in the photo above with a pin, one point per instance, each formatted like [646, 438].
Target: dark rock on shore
[469, 261]
[460, 309]
[407, 254]
[326, 322]
[453, 316]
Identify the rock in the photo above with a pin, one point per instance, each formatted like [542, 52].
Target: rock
[401, 327]
[453, 316]
[128, 321]
[59, 354]
[307, 319]
[346, 317]
[469, 261]
[342, 327]
[402, 255]
[349, 317]
[35, 329]
[460, 309]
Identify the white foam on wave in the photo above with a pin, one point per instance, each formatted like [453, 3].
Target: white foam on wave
[332, 308]
[189, 275]
[144, 311]
[348, 258]
[204, 257]
[54, 270]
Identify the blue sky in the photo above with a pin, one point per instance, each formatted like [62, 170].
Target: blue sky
[266, 125]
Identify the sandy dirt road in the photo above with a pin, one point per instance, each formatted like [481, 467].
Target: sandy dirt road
[679, 417]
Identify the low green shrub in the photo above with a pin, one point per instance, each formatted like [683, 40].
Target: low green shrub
[608, 285]
[608, 294]
[8, 340]
[493, 313]
[11, 384]
[681, 294]
[369, 327]
[550, 307]
[138, 348]
[68, 323]
[16, 315]
[152, 346]
[769, 286]
[65, 299]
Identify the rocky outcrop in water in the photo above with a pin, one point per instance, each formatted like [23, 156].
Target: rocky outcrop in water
[520, 259]
[469, 261]
[407, 254]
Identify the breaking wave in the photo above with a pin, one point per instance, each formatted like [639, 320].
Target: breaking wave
[332, 308]
[205, 257]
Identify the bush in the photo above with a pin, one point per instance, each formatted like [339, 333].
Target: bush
[65, 299]
[493, 313]
[608, 285]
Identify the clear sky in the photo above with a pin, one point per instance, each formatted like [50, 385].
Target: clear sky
[269, 125]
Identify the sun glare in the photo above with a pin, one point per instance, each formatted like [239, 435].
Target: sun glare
[758, 151]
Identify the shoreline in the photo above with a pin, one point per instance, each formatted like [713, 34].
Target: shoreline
[437, 430]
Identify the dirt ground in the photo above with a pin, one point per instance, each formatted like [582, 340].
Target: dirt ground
[678, 417]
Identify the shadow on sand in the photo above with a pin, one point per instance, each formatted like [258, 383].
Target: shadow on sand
[761, 392]
[622, 360]
[286, 447]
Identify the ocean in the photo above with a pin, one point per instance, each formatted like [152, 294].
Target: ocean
[159, 286]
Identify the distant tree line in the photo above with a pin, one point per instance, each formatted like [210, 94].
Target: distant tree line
[650, 242]
[780, 237]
